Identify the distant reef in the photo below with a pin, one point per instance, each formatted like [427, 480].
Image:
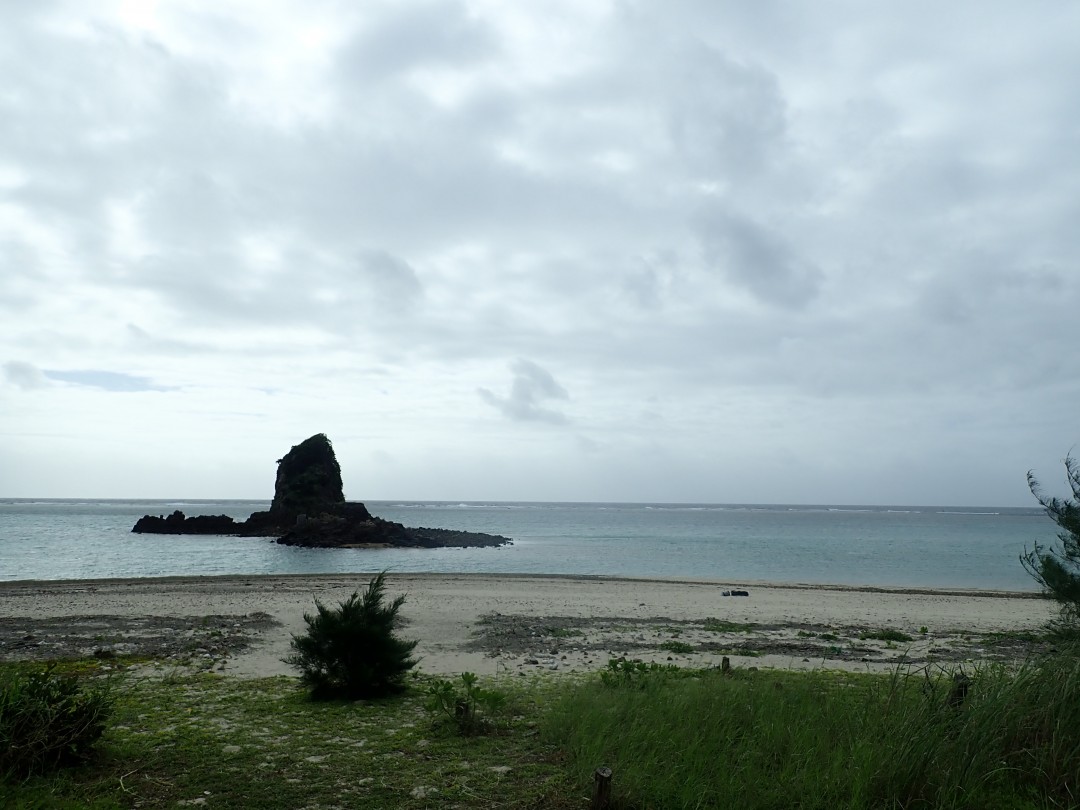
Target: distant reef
[309, 509]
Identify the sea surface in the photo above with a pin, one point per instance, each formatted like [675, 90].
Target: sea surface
[849, 545]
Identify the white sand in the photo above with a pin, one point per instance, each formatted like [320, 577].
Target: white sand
[443, 609]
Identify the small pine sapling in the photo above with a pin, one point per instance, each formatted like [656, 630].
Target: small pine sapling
[352, 651]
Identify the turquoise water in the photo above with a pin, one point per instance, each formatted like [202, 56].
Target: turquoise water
[915, 546]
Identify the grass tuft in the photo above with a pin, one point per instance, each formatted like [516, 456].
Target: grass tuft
[885, 634]
[724, 626]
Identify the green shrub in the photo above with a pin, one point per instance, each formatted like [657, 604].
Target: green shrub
[470, 710]
[724, 626]
[885, 635]
[48, 720]
[352, 651]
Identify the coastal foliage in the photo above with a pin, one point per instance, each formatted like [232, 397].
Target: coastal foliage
[48, 719]
[1057, 570]
[352, 651]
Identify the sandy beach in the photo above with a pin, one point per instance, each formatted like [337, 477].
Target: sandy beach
[519, 624]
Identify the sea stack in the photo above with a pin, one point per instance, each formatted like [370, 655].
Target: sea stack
[308, 479]
[309, 509]
[307, 489]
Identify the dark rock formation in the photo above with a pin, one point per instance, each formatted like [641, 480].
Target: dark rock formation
[309, 509]
[331, 531]
[177, 523]
[307, 486]
[308, 479]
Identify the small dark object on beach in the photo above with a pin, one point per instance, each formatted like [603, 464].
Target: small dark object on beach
[740, 593]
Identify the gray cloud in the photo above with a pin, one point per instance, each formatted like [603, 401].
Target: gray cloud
[531, 388]
[425, 34]
[26, 376]
[757, 259]
[725, 119]
[392, 279]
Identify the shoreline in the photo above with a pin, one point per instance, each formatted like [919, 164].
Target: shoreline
[934, 590]
[494, 624]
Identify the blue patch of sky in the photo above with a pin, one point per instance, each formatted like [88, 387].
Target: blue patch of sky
[105, 380]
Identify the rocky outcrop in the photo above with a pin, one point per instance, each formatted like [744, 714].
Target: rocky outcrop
[330, 531]
[307, 488]
[309, 509]
[308, 480]
[177, 523]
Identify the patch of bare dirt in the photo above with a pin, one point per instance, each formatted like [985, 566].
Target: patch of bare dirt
[208, 639]
[558, 638]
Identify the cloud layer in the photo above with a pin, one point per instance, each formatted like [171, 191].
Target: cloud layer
[770, 253]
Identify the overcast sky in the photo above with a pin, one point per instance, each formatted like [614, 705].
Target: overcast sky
[772, 252]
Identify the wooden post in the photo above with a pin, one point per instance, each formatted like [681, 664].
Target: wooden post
[959, 692]
[725, 665]
[601, 797]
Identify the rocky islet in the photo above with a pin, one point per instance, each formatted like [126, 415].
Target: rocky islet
[309, 509]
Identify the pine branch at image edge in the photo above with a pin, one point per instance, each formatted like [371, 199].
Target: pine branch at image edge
[1058, 570]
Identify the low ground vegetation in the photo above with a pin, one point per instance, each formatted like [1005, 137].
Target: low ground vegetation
[674, 737]
[205, 740]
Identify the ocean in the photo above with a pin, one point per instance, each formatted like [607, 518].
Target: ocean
[948, 547]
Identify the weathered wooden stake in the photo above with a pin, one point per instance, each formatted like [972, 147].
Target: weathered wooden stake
[601, 797]
[959, 692]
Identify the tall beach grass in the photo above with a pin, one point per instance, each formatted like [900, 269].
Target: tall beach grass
[827, 740]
